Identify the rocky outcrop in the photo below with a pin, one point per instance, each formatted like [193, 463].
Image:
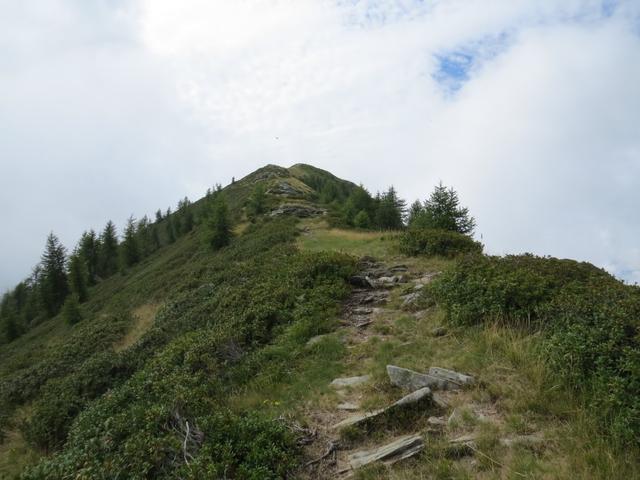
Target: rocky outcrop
[284, 188]
[301, 211]
[422, 395]
[400, 449]
[436, 379]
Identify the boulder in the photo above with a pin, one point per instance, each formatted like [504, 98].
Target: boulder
[400, 449]
[416, 397]
[360, 281]
[350, 381]
[411, 381]
[452, 377]
[284, 188]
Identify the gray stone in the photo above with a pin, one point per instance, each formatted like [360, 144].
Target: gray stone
[410, 380]
[439, 331]
[451, 376]
[349, 407]
[286, 189]
[302, 211]
[437, 421]
[361, 281]
[413, 398]
[400, 449]
[350, 381]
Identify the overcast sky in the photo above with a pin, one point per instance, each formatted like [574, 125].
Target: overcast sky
[529, 108]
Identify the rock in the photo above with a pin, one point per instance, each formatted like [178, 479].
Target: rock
[362, 311]
[469, 438]
[413, 398]
[410, 299]
[437, 421]
[410, 380]
[400, 449]
[451, 376]
[399, 268]
[438, 332]
[313, 340]
[439, 401]
[349, 407]
[350, 381]
[302, 211]
[461, 446]
[286, 189]
[360, 281]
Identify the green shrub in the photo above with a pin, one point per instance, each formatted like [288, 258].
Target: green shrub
[589, 320]
[418, 241]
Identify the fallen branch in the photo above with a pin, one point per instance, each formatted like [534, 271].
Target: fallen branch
[333, 446]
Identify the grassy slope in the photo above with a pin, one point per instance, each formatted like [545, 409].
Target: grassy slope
[513, 375]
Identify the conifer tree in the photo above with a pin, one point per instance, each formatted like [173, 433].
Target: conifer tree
[130, 247]
[415, 211]
[170, 228]
[362, 220]
[185, 214]
[442, 210]
[88, 250]
[155, 237]
[390, 211]
[78, 276]
[108, 253]
[54, 285]
[219, 224]
[71, 311]
[158, 215]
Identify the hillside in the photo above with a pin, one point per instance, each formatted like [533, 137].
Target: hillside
[284, 355]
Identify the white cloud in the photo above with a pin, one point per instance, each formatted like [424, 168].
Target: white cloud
[541, 139]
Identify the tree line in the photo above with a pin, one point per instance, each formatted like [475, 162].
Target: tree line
[60, 282]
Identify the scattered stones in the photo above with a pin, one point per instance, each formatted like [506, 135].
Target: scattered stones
[301, 211]
[451, 376]
[350, 381]
[400, 449]
[285, 189]
[410, 299]
[410, 380]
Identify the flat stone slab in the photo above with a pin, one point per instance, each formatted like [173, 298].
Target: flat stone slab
[350, 407]
[410, 380]
[452, 376]
[350, 381]
[412, 398]
[400, 449]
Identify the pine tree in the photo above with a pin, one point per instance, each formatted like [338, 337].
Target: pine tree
[415, 211]
[54, 285]
[155, 237]
[443, 211]
[145, 240]
[158, 215]
[78, 276]
[108, 253]
[390, 211]
[71, 311]
[362, 220]
[185, 214]
[170, 228]
[219, 224]
[89, 251]
[130, 248]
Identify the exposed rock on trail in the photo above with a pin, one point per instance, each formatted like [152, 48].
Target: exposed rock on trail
[400, 449]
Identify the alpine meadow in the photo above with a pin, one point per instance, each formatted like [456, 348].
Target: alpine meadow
[292, 325]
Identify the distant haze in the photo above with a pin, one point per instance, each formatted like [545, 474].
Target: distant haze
[530, 109]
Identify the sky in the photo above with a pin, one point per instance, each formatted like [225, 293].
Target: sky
[530, 109]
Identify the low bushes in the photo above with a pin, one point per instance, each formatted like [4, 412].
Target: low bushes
[589, 319]
[418, 241]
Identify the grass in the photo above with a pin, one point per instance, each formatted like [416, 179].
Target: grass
[143, 318]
